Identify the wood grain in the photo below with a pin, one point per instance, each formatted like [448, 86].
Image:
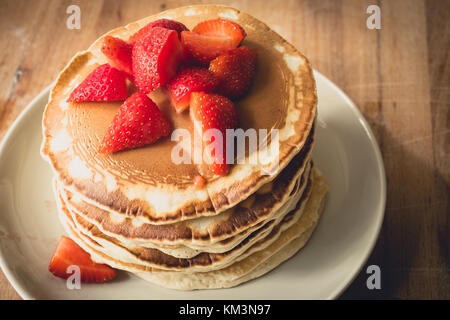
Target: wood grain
[398, 76]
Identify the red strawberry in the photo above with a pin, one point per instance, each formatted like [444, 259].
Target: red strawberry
[162, 23]
[235, 70]
[213, 111]
[68, 253]
[156, 57]
[221, 28]
[118, 52]
[202, 49]
[105, 83]
[188, 81]
[139, 122]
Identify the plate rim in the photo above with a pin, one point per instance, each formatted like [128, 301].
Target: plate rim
[381, 173]
[23, 293]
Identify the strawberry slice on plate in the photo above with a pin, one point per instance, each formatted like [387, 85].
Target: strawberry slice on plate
[187, 81]
[105, 83]
[118, 52]
[138, 122]
[235, 70]
[162, 23]
[155, 58]
[69, 253]
[221, 28]
[213, 111]
[201, 49]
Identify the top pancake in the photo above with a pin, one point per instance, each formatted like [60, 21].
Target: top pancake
[144, 182]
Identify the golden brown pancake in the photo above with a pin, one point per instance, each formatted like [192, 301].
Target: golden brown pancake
[144, 183]
[137, 210]
[204, 231]
[254, 265]
[189, 249]
[202, 262]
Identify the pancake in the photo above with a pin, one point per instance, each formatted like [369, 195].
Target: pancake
[205, 231]
[190, 249]
[185, 251]
[255, 265]
[202, 262]
[139, 211]
[145, 183]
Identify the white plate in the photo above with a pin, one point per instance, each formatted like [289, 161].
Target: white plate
[346, 151]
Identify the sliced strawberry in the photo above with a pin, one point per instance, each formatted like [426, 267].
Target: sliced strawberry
[213, 111]
[202, 49]
[155, 58]
[221, 28]
[105, 83]
[188, 81]
[139, 122]
[118, 52]
[235, 70]
[162, 23]
[68, 253]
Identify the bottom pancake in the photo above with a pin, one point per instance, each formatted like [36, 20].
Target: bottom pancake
[255, 265]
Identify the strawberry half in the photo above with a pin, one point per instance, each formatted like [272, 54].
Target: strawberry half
[155, 58]
[138, 122]
[162, 23]
[235, 70]
[118, 52]
[221, 28]
[201, 49]
[105, 83]
[68, 253]
[188, 81]
[213, 111]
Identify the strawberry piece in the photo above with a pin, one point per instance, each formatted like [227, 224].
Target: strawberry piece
[162, 23]
[202, 49]
[213, 111]
[118, 52]
[68, 253]
[235, 70]
[221, 28]
[155, 59]
[187, 81]
[105, 83]
[139, 122]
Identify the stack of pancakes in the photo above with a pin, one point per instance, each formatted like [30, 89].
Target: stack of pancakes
[139, 211]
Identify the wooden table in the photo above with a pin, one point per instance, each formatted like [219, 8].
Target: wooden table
[398, 76]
